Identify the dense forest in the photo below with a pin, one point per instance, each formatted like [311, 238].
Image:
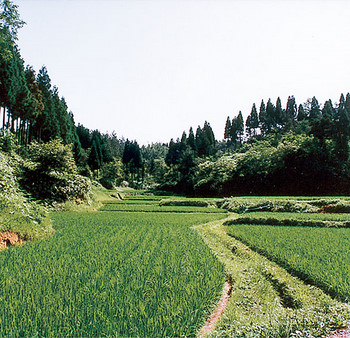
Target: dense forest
[294, 150]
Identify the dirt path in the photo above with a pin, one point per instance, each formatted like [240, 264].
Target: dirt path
[8, 238]
[215, 316]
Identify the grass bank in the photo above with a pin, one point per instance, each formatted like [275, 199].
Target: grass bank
[266, 300]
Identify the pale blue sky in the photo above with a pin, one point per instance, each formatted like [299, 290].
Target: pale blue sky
[150, 69]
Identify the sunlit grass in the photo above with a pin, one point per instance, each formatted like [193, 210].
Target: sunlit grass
[108, 273]
[318, 255]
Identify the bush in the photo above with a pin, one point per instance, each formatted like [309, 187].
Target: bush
[112, 174]
[184, 203]
[337, 207]
[241, 206]
[8, 142]
[52, 173]
[18, 213]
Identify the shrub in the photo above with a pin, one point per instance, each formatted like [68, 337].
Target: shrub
[184, 203]
[52, 173]
[338, 207]
[8, 141]
[112, 174]
[18, 213]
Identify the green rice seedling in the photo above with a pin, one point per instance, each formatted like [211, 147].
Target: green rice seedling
[111, 274]
[157, 208]
[317, 255]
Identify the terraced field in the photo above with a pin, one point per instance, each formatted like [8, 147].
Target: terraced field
[111, 273]
[145, 266]
[311, 246]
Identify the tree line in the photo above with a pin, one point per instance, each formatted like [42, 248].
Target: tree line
[296, 149]
[329, 121]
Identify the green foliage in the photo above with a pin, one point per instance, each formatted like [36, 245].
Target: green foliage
[8, 142]
[283, 205]
[17, 212]
[111, 174]
[187, 202]
[10, 19]
[111, 274]
[52, 173]
[338, 207]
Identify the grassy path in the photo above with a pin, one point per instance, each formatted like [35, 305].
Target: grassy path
[265, 299]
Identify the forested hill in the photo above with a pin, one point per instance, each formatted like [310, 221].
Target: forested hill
[297, 149]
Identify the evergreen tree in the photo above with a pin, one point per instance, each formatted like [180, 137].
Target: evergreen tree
[10, 20]
[234, 131]
[184, 138]
[47, 126]
[315, 111]
[84, 136]
[191, 139]
[227, 128]
[263, 118]
[279, 114]
[301, 113]
[210, 136]
[132, 159]
[271, 121]
[290, 113]
[249, 129]
[202, 142]
[240, 127]
[323, 127]
[254, 119]
[347, 103]
[342, 129]
[36, 106]
[95, 160]
[20, 90]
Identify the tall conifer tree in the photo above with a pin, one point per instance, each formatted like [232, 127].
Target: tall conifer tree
[227, 128]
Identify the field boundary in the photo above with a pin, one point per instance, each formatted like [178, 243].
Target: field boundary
[272, 301]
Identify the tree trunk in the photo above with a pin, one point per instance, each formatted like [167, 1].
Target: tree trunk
[3, 117]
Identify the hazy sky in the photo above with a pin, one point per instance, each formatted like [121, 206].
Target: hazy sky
[150, 69]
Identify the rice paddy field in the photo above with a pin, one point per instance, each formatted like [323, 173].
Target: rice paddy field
[150, 266]
[111, 273]
[157, 208]
[317, 254]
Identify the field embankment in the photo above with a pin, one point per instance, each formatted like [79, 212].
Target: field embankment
[265, 299]
[313, 247]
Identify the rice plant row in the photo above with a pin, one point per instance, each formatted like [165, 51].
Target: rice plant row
[317, 255]
[158, 208]
[114, 274]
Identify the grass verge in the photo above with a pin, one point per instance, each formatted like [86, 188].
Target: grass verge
[266, 300]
